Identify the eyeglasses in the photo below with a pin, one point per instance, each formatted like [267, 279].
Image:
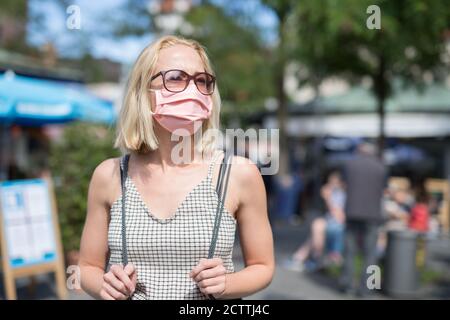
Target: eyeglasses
[178, 80]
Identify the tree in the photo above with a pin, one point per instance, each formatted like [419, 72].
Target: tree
[238, 55]
[409, 44]
[282, 55]
[14, 17]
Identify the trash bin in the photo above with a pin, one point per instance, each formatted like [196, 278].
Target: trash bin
[401, 270]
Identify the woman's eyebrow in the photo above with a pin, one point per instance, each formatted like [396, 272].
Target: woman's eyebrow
[195, 72]
[192, 71]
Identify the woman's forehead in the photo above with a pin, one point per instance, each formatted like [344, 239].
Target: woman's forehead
[180, 57]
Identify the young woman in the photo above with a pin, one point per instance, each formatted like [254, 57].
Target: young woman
[171, 206]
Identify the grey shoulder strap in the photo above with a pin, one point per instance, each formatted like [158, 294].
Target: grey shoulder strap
[123, 177]
[221, 189]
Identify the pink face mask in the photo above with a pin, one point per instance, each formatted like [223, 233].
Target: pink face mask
[182, 110]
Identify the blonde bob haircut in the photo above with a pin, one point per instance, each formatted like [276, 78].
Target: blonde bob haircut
[135, 123]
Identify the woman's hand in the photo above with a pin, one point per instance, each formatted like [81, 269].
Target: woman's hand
[119, 283]
[210, 276]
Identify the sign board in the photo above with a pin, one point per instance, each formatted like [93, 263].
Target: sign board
[29, 232]
[439, 191]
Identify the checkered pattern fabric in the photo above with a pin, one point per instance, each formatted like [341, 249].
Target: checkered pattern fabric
[164, 251]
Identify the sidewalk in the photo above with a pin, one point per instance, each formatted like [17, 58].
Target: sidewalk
[312, 286]
[291, 285]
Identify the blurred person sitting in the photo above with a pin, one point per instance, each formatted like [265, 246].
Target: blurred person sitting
[419, 217]
[326, 232]
[398, 202]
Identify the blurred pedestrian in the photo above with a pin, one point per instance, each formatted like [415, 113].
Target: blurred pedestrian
[365, 179]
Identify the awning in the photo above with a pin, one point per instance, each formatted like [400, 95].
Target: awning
[30, 101]
[401, 125]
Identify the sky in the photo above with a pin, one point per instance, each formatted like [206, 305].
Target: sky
[70, 43]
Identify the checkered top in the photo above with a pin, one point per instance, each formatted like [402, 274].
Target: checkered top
[164, 251]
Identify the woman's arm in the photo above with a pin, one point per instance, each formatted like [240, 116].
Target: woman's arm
[255, 238]
[255, 234]
[94, 240]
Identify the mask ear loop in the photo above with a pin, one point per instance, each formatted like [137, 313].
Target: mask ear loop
[154, 90]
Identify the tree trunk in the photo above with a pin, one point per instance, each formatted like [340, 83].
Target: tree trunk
[281, 98]
[381, 128]
[381, 94]
[282, 117]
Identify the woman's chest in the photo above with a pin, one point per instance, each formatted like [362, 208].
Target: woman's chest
[187, 235]
[163, 194]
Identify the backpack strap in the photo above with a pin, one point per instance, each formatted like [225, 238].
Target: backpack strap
[123, 177]
[221, 189]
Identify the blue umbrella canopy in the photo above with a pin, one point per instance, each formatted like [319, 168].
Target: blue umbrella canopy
[30, 101]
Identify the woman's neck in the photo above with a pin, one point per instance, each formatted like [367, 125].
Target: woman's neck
[170, 153]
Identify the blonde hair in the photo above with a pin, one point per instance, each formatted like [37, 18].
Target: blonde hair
[135, 124]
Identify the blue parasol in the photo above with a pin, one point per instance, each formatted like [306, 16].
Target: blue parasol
[35, 102]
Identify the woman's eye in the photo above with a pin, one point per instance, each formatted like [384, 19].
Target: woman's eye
[176, 78]
[201, 80]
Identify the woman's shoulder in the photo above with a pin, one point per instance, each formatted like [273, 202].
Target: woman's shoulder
[247, 182]
[104, 179]
[106, 169]
[244, 169]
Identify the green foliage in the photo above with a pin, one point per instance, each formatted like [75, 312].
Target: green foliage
[430, 276]
[16, 8]
[72, 162]
[333, 39]
[131, 18]
[16, 12]
[334, 270]
[334, 36]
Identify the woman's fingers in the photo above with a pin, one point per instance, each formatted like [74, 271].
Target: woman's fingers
[210, 273]
[124, 278]
[211, 281]
[205, 264]
[216, 290]
[117, 295]
[113, 281]
[210, 276]
[105, 295]
[129, 269]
